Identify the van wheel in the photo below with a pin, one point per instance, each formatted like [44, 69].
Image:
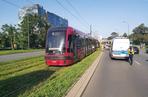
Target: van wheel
[111, 58]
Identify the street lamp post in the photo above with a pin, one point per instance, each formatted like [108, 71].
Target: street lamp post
[90, 30]
[127, 26]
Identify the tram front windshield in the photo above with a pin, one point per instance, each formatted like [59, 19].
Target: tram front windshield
[56, 41]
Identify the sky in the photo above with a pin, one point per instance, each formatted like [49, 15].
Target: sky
[104, 16]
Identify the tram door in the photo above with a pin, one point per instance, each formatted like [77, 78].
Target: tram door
[73, 46]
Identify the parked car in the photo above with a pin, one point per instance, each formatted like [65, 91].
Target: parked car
[136, 50]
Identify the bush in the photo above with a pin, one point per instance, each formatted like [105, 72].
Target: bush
[146, 48]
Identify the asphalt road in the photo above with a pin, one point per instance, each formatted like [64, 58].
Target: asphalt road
[116, 78]
[18, 56]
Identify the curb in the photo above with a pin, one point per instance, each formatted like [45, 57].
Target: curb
[81, 84]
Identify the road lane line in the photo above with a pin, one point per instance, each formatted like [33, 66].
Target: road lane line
[137, 62]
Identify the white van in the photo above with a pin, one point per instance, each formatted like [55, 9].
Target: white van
[119, 49]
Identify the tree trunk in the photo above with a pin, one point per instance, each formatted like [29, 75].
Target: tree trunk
[12, 45]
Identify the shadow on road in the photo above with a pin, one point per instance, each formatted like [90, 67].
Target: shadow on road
[122, 60]
[14, 86]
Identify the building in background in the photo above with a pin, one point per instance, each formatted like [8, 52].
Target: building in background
[31, 10]
[56, 20]
[53, 19]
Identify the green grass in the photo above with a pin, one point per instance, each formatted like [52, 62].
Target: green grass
[6, 52]
[61, 81]
[18, 76]
[33, 78]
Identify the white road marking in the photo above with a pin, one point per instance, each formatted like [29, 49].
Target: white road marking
[137, 62]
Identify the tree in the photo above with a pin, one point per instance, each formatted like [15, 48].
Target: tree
[124, 35]
[141, 29]
[146, 38]
[9, 31]
[4, 41]
[33, 30]
[114, 34]
[25, 31]
[41, 29]
[140, 34]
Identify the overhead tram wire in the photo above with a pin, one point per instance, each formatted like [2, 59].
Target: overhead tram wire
[70, 13]
[30, 1]
[10, 3]
[77, 12]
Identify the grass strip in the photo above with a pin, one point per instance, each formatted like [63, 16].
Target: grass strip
[20, 64]
[16, 79]
[61, 81]
[7, 52]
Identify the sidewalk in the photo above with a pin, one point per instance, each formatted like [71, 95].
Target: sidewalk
[80, 86]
